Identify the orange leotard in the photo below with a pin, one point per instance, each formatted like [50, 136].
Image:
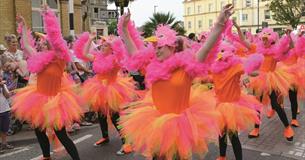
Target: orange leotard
[172, 95]
[110, 76]
[243, 52]
[49, 80]
[227, 86]
[269, 64]
[291, 60]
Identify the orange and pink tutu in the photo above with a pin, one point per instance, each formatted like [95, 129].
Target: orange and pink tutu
[107, 94]
[240, 115]
[43, 111]
[153, 133]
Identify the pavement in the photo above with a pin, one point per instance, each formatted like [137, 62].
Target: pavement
[271, 145]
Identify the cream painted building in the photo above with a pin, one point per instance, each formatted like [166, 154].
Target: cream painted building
[200, 15]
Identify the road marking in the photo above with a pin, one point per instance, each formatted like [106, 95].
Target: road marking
[62, 148]
[298, 150]
[18, 150]
[265, 154]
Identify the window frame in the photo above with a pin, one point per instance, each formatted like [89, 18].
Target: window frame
[38, 9]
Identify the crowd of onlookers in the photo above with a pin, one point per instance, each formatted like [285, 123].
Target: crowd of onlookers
[14, 75]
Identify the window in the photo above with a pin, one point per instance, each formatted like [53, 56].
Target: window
[36, 3]
[210, 7]
[210, 22]
[95, 12]
[188, 10]
[189, 24]
[37, 22]
[199, 24]
[245, 17]
[199, 9]
[267, 14]
[52, 4]
[248, 3]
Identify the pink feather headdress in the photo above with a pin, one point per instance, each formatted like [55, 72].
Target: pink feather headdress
[225, 58]
[165, 36]
[203, 35]
[269, 34]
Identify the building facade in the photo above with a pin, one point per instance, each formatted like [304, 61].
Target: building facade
[30, 10]
[200, 15]
[96, 16]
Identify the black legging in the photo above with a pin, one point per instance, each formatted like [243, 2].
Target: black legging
[293, 97]
[63, 138]
[279, 110]
[140, 79]
[104, 125]
[235, 144]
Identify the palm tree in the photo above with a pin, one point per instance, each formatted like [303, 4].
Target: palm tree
[162, 18]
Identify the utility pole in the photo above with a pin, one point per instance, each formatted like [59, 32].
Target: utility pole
[258, 15]
[71, 19]
[155, 9]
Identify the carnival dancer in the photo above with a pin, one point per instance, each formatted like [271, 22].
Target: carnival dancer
[295, 65]
[239, 111]
[171, 122]
[107, 91]
[50, 103]
[272, 81]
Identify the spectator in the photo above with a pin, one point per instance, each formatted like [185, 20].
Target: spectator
[192, 37]
[4, 114]
[19, 69]
[2, 50]
[12, 52]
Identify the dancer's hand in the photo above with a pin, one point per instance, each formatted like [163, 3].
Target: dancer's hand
[235, 23]
[288, 30]
[92, 36]
[127, 18]
[225, 14]
[44, 8]
[20, 19]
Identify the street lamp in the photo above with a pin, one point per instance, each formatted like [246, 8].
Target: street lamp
[257, 16]
[121, 4]
[155, 9]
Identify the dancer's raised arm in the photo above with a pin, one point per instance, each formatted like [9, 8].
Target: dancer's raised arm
[29, 50]
[54, 36]
[216, 32]
[241, 35]
[126, 35]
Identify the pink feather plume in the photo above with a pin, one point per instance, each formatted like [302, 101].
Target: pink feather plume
[54, 36]
[79, 45]
[253, 62]
[133, 32]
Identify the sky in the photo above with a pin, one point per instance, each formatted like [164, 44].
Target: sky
[141, 10]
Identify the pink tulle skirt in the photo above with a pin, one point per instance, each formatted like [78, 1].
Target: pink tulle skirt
[43, 111]
[170, 135]
[298, 72]
[240, 115]
[108, 97]
[279, 81]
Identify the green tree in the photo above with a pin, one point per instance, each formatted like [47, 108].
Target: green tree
[287, 11]
[162, 18]
[112, 27]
